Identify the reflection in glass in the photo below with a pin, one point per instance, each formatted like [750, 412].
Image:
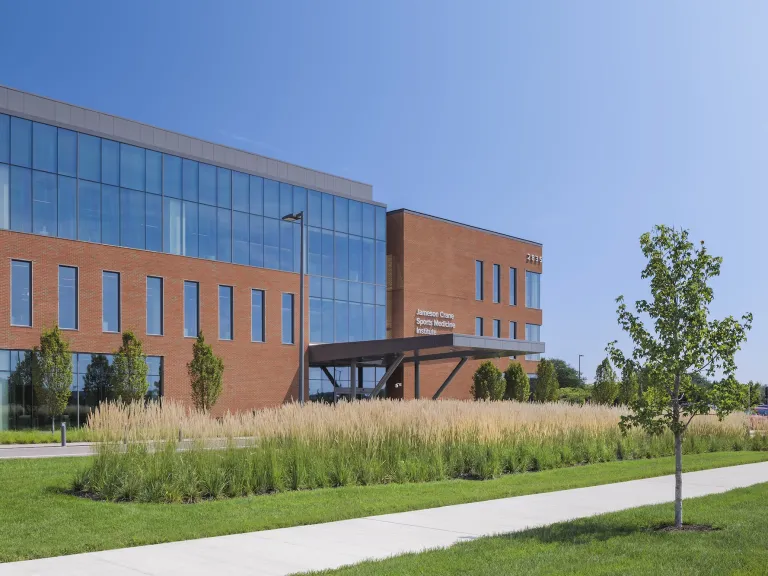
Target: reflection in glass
[21, 293]
[191, 309]
[68, 297]
[44, 203]
[110, 302]
[154, 305]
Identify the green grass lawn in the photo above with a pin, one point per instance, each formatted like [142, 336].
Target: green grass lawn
[619, 543]
[38, 518]
[42, 436]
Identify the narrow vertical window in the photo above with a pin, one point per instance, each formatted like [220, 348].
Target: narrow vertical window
[287, 318]
[533, 334]
[154, 306]
[497, 328]
[478, 279]
[68, 297]
[478, 326]
[496, 283]
[5, 198]
[532, 289]
[257, 315]
[513, 286]
[21, 293]
[110, 302]
[225, 312]
[513, 330]
[191, 309]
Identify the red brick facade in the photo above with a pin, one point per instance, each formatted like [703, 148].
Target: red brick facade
[432, 267]
[256, 374]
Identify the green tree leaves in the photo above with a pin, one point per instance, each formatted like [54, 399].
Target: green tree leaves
[129, 370]
[547, 386]
[52, 372]
[606, 388]
[206, 372]
[488, 382]
[518, 385]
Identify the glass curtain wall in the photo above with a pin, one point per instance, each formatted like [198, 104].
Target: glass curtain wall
[20, 408]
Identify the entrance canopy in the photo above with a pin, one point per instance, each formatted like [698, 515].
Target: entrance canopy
[393, 352]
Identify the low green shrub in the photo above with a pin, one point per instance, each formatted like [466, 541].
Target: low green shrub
[577, 396]
[43, 436]
[139, 472]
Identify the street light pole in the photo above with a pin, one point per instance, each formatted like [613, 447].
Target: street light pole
[299, 217]
[580, 357]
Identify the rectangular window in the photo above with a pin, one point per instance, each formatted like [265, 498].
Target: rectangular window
[271, 242]
[496, 283]
[171, 176]
[132, 167]
[44, 203]
[21, 199]
[513, 286]
[287, 319]
[224, 235]
[369, 221]
[207, 184]
[478, 326]
[110, 162]
[21, 142]
[133, 212]
[68, 297]
[327, 220]
[110, 215]
[257, 315]
[381, 262]
[67, 207]
[341, 215]
[207, 232]
[315, 209]
[369, 260]
[44, 147]
[5, 197]
[341, 267]
[256, 241]
[89, 157]
[355, 218]
[533, 334]
[67, 154]
[189, 180]
[154, 172]
[191, 309]
[89, 211]
[478, 280]
[513, 330]
[225, 312]
[240, 192]
[154, 222]
[240, 241]
[272, 199]
[381, 223]
[532, 289]
[110, 302]
[224, 187]
[497, 328]
[286, 246]
[154, 306]
[190, 239]
[257, 195]
[21, 293]
[5, 137]
[286, 199]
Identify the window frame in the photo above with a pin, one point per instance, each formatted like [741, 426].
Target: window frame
[293, 319]
[479, 281]
[497, 283]
[263, 315]
[513, 286]
[184, 307]
[231, 311]
[496, 324]
[77, 297]
[31, 295]
[481, 325]
[119, 302]
[162, 305]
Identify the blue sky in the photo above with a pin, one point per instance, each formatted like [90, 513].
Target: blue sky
[579, 125]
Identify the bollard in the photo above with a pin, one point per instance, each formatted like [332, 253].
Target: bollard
[63, 433]
[181, 437]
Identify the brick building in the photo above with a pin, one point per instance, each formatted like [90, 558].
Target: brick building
[109, 225]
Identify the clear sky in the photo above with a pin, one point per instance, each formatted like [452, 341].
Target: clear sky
[576, 124]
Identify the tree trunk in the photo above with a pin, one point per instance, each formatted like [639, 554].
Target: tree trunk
[678, 480]
[53, 425]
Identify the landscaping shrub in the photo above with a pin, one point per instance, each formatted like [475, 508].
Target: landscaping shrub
[578, 396]
[488, 382]
[518, 385]
[364, 443]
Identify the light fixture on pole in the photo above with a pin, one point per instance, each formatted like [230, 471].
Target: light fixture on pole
[299, 217]
[580, 357]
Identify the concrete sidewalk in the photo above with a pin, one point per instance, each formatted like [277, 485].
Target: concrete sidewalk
[323, 546]
[8, 451]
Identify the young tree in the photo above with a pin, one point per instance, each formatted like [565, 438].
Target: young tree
[206, 371]
[547, 387]
[97, 383]
[129, 370]
[518, 385]
[488, 382]
[751, 395]
[628, 389]
[606, 388]
[683, 341]
[567, 375]
[52, 372]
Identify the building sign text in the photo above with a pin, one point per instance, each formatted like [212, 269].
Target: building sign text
[428, 322]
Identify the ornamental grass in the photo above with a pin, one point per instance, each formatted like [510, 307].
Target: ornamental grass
[291, 447]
